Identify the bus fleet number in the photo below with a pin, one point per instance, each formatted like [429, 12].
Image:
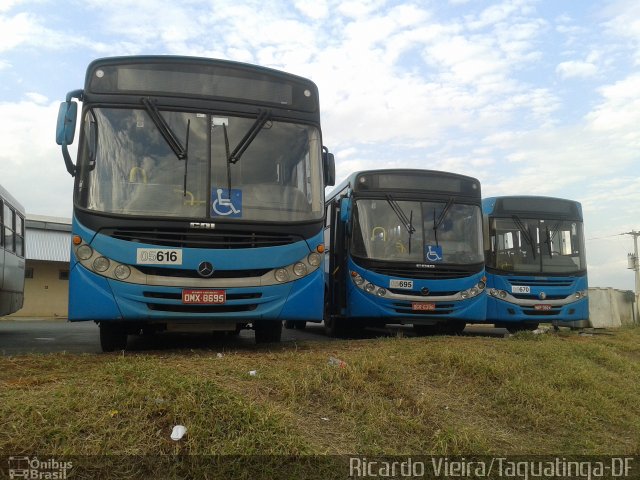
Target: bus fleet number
[156, 256]
[405, 284]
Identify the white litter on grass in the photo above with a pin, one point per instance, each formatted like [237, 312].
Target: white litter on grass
[253, 373]
[219, 355]
[324, 418]
[178, 432]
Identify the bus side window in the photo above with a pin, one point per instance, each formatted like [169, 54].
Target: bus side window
[8, 228]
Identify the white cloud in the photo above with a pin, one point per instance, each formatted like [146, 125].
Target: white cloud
[576, 68]
[33, 170]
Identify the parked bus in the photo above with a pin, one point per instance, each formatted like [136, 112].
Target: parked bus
[198, 197]
[405, 247]
[12, 262]
[536, 265]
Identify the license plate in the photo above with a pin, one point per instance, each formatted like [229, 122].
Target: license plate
[542, 307]
[423, 306]
[204, 297]
[520, 289]
[404, 284]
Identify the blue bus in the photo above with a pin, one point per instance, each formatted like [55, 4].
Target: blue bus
[198, 197]
[535, 261]
[404, 247]
[12, 254]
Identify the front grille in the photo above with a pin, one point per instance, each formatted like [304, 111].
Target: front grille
[179, 308]
[420, 273]
[418, 293]
[441, 309]
[192, 273]
[533, 296]
[178, 296]
[186, 238]
[547, 282]
[541, 313]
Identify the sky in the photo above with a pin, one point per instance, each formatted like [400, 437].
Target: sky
[532, 97]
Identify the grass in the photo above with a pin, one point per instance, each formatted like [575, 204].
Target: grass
[560, 394]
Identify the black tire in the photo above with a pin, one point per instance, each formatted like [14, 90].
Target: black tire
[289, 324]
[300, 325]
[113, 337]
[335, 327]
[268, 331]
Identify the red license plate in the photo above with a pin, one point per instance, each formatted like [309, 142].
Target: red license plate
[423, 306]
[204, 297]
[542, 307]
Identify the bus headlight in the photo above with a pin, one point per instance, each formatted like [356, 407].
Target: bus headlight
[370, 287]
[300, 269]
[314, 259]
[122, 272]
[281, 275]
[84, 252]
[464, 294]
[381, 292]
[101, 264]
[502, 294]
[357, 278]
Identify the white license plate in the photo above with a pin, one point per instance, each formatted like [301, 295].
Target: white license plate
[404, 284]
[158, 256]
[520, 289]
[204, 297]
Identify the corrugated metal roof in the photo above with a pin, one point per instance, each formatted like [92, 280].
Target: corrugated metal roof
[48, 245]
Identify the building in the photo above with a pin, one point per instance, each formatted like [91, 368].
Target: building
[46, 289]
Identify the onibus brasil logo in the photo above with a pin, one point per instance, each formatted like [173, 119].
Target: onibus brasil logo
[35, 469]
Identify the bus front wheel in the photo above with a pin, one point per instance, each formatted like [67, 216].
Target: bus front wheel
[113, 337]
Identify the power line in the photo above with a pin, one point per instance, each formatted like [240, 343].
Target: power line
[608, 236]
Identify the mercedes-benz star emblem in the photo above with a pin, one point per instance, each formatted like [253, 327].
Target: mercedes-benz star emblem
[542, 296]
[205, 269]
[424, 291]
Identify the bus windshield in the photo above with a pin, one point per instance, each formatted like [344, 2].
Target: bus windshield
[454, 237]
[134, 170]
[536, 246]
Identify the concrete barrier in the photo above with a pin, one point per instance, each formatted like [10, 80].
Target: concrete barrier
[612, 308]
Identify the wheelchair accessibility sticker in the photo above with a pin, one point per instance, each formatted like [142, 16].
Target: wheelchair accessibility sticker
[225, 204]
[433, 253]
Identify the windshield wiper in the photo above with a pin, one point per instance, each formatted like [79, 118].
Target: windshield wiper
[165, 130]
[263, 118]
[525, 233]
[438, 222]
[186, 157]
[407, 222]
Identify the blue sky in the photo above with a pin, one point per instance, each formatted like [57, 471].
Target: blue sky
[536, 97]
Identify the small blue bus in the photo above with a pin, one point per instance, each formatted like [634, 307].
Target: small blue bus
[535, 261]
[404, 247]
[198, 198]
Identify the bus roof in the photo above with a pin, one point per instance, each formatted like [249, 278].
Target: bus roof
[410, 179]
[185, 76]
[5, 195]
[531, 204]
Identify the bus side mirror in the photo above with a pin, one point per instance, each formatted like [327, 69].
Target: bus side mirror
[66, 128]
[65, 131]
[345, 210]
[329, 167]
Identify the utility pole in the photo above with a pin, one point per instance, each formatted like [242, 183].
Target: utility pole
[632, 258]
